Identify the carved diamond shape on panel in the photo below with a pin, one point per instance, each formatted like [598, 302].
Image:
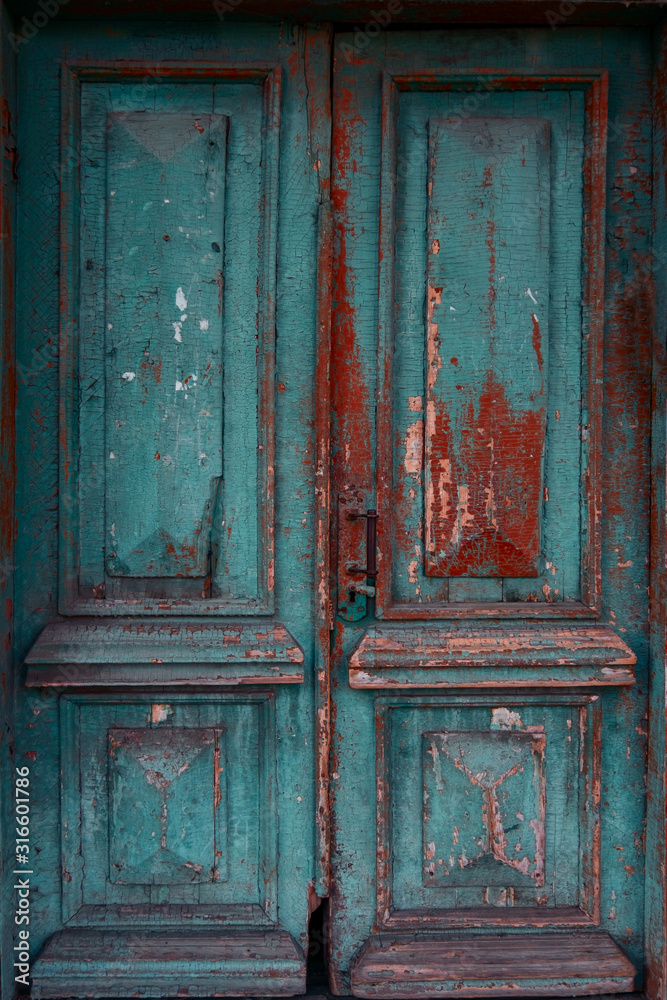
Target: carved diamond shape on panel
[164, 790]
[484, 809]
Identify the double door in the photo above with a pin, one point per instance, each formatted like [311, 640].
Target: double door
[332, 524]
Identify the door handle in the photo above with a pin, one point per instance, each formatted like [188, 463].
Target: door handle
[370, 569]
[352, 593]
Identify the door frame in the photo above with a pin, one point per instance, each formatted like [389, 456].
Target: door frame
[346, 14]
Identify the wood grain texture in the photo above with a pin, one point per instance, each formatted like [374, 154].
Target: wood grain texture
[407, 587]
[10, 376]
[78, 652]
[317, 61]
[169, 352]
[166, 790]
[414, 655]
[183, 797]
[164, 404]
[484, 965]
[383, 98]
[498, 838]
[656, 819]
[442, 854]
[82, 640]
[487, 349]
[171, 962]
[254, 76]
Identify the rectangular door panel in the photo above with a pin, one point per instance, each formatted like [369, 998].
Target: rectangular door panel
[168, 492]
[484, 464]
[184, 807]
[486, 399]
[508, 811]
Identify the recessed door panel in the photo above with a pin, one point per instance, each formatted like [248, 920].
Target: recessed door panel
[168, 497]
[487, 274]
[175, 166]
[507, 810]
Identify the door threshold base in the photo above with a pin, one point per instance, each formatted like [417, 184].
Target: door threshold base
[491, 965]
[169, 963]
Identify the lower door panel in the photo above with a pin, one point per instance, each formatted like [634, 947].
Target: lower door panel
[169, 847]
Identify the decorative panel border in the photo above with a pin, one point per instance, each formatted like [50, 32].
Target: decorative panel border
[595, 87]
[588, 718]
[80, 857]
[73, 76]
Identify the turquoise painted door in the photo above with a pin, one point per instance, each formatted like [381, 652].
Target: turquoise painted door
[491, 335]
[169, 237]
[486, 623]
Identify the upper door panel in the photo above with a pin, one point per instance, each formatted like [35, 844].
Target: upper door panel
[168, 280]
[168, 289]
[489, 321]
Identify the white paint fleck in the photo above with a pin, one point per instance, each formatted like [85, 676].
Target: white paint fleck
[414, 448]
[452, 309]
[528, 292]
[184, 316]
[181, 301]
[128, 376]
[109, 326]
[179, 386]
[112, 193]
[504, 718]
[112, 530]
[111, 455]
[203, 324]
[177, 332]
[166, 201]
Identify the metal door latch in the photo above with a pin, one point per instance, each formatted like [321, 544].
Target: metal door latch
[353, 593]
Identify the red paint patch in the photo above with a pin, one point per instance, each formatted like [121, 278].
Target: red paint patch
[484, 488]
[537, 341]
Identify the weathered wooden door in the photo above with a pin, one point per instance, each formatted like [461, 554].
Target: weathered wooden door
[491, 390]
[169, 234]
[488, 611]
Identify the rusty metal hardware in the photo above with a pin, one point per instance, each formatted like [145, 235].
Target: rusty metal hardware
[370, 569]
